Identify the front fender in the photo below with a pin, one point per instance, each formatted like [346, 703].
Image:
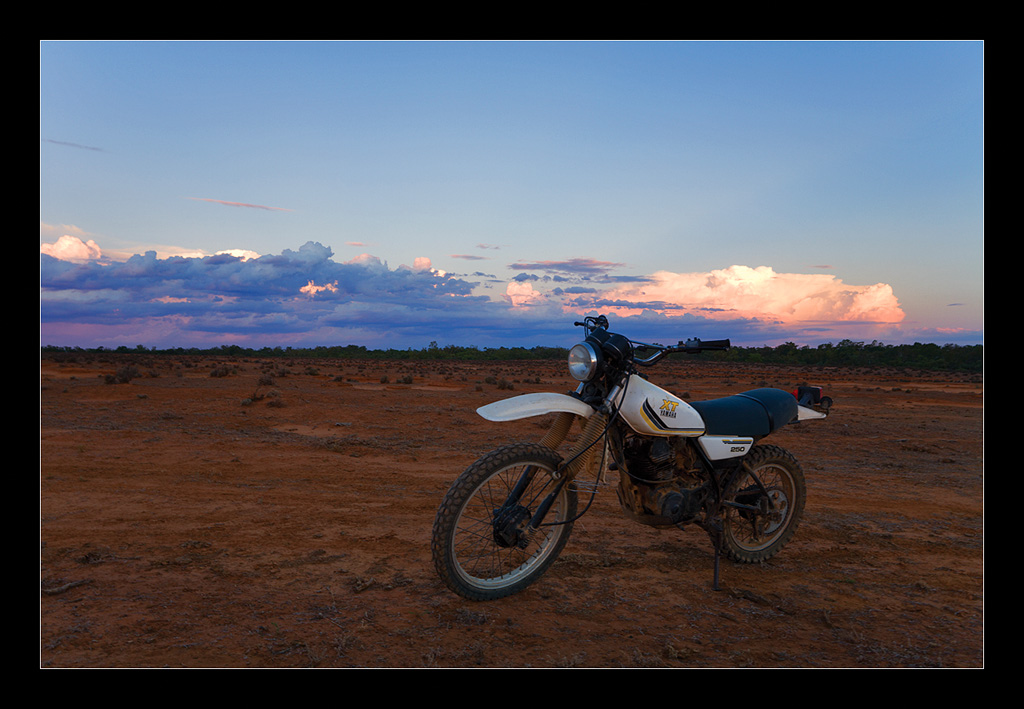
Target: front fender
[526, 405]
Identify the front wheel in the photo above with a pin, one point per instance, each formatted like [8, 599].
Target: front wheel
[761, 513]
[483, 544]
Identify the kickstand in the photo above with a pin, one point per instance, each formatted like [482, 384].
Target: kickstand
[714, 530]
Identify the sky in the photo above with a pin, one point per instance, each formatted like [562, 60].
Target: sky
[396, 194]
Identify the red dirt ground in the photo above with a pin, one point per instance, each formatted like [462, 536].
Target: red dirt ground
[190, 520]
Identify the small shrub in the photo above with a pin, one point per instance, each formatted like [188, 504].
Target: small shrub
[123, 375]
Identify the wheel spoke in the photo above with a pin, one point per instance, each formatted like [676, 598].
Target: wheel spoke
[763, 505]
[482, 545]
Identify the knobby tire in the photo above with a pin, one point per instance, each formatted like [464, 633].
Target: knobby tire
[750, 537]
[467, 555]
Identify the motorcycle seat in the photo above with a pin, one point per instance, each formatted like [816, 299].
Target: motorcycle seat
[753, 413]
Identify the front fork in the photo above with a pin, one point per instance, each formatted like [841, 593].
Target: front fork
[509, 518]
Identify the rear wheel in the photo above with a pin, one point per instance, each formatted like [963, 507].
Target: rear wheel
[482, 545]
[761, 514]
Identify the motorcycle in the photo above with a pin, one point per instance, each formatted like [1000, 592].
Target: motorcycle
[508, 516]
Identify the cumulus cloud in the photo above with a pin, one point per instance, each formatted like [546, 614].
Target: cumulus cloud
[295, 292]
[746, 292]
[306, 297]
[244, 254]
[520, 293]
[71, 248]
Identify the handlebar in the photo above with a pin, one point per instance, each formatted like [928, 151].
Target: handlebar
[593, 323]
[691, 346]
[698, 345]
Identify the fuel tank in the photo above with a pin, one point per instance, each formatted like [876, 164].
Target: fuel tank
[652, 411]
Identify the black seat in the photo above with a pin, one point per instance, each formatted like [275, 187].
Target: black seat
[754, 413]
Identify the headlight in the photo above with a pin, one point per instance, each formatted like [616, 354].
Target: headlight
[583, 361]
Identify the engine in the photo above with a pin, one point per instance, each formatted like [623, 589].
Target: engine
[661, 485]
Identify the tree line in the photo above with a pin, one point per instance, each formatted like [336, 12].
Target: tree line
[847, 353]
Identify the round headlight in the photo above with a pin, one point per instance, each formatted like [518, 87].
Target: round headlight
[583, 361]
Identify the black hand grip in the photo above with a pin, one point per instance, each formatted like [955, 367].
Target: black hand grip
[698, 345]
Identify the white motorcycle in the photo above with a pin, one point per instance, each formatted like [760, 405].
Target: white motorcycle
[505, 519]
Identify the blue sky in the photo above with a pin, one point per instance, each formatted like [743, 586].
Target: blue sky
[391, 194]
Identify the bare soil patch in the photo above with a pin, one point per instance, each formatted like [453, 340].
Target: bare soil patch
[278, 515]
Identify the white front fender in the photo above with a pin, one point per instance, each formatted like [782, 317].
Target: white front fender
[526, 405]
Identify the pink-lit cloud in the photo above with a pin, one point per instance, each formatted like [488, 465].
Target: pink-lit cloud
[745, 292]
[76, 249]
[304, 296]
[312, 289]
[520, 294]
[71, 248]
[367, 261]
[240, 204]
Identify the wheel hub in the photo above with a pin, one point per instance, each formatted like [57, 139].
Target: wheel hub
[773, 510]
[510, 526]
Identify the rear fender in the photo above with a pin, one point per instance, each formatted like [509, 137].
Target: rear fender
[526, 405]
[804, 413]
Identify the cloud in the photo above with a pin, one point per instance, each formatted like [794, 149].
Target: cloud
[745, 292]
[71, 248]
[76, 249]
[50, 231]
[301, 293]
[305, 297]
[240, 204]
[521, 293]
[243, 254]
[72, 145]
[575, 266]
[312, 289]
